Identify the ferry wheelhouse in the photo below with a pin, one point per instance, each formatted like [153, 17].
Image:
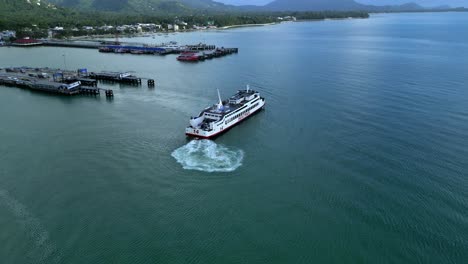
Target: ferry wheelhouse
[218, 118]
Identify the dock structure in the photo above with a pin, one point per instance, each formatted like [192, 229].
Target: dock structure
[51, 81]
[219, 52]
[72, 44]
[205, 51]
[86, 81]
[200, 47]
[96, 91]
[151, 83]
[197, 55]
[120, 77]
[81, 75]
[208, 48]
[208, 51]
[39, 85]
[133, 49]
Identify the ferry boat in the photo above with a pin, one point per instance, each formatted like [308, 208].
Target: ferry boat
[189, 56]
[220, 117]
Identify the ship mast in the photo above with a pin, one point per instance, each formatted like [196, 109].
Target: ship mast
[220, 104]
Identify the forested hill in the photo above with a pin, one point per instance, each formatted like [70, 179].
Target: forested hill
[20, 5]
[142, 6]
[35, 19]
[39, 15]
[16, 13]
[185, 7]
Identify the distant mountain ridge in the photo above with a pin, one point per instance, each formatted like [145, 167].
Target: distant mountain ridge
[313, 5]
[423, 3]
[175, 7]
[353, 5]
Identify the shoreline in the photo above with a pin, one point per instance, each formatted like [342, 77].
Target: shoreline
[104, 37]
[161, 34]
[250, 25]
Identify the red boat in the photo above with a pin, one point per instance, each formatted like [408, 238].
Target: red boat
[189, 56]
[26, 42]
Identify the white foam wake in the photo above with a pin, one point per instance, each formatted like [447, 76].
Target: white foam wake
[206, 155]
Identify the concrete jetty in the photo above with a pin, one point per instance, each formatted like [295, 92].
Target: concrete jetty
[206, 51]
[62, 81]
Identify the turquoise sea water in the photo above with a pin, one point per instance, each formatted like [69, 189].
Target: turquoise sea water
[359, 157]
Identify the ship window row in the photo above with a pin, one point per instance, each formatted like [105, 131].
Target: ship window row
[240, 114]
[211, 115]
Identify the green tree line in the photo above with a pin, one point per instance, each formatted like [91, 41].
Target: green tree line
[18, 15]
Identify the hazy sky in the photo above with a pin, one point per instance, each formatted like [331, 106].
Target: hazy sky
[454, 3]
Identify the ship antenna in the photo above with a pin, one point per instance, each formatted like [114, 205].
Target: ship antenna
[248, 87]
[220, 104]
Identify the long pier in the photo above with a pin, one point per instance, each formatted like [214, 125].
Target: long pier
[163, 50]
[72, 44]
[65, 82]
[205, 51]
[51, 87]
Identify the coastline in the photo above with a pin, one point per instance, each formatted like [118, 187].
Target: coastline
[250, 25]
[109, 36]
[328, 19]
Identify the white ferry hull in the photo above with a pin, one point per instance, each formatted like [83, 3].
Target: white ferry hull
[217, 130]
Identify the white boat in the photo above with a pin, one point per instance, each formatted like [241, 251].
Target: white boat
[220, 117]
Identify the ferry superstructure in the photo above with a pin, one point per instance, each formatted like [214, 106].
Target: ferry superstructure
[220, 117]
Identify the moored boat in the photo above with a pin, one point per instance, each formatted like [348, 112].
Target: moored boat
[189, 56]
